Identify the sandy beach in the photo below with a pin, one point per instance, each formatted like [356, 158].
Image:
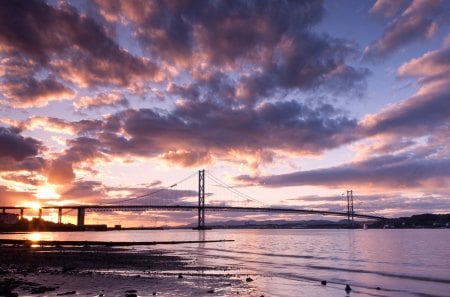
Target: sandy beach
[111, 271]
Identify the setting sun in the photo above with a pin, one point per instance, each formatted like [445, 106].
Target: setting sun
[46, 192]
[33, 205]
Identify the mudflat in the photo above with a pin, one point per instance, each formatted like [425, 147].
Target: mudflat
[110, 271]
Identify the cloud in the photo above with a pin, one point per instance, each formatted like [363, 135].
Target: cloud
[11, 197]
[198, 132]
[84, 191]
[402, 146]
[419, 21]
[65, 44]
[211, 126]
[59, 125]
[387, 8]
[261, 46]
[399, 172]
[186, 158]
[60, 172]
[26, 92]
[382, 204]
[425, 111]
[101, 100]
[14, 145]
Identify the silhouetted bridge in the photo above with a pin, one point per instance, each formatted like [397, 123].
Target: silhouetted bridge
[200, 208]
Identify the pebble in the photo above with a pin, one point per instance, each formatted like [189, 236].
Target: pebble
[180, 275]
[324, 282]
[249, 279]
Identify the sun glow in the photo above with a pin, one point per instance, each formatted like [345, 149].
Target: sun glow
[34, 236]
[47, 192]
[33, 205]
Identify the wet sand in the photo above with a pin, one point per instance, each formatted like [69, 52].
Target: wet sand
[111, 271]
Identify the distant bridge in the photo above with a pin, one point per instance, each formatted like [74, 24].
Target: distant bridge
[200, 208]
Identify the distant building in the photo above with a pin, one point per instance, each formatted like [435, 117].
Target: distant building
[8, 219]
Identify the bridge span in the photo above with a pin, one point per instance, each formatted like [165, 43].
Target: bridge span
[200, 208]
[82, 209]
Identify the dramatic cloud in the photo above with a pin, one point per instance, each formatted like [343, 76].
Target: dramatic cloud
[211, 127]
[268, 45]
[250, 87]
[66, 44]
[14, 145]
[399, 172]
[418, 21]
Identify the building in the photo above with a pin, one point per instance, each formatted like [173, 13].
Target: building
[8, 219]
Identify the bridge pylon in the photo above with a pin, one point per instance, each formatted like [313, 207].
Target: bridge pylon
[350, 210]
[201, 200]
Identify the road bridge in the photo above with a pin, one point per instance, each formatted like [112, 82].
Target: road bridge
[201, 208]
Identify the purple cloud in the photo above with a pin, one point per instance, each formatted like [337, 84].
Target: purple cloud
[400, 171]
[270, 43]
[15, 146]
[60, 41]
[418, 21]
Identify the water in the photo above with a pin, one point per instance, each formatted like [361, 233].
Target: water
[294, 262]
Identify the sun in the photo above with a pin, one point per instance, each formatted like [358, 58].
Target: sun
[46, 192]
[33, 205]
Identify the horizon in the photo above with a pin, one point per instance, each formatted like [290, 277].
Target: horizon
[287, 104]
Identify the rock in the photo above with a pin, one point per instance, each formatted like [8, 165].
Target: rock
[348, 289]
[211, 291]
[38, 290]
[180, 275]
[67, 269]
[324, 283]
[249, 279]
[4, 290]
[377, 288]
[130, 295]
[154, 293]
[131, 291]
[67, 293]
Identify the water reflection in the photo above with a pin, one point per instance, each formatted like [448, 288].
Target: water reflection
[294, 262]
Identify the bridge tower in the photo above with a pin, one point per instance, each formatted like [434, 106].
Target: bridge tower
[350, 211]
[81, 212]
[201, 200]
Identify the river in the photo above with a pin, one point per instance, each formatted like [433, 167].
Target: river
[293, 262]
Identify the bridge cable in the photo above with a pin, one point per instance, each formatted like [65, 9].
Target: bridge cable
[231, 189]
[156, 191]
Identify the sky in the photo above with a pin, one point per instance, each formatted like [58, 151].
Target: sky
[283, 103]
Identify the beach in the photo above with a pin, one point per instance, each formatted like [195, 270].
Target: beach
[111, 271]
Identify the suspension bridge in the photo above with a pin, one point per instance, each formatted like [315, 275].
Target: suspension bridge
[201, 207]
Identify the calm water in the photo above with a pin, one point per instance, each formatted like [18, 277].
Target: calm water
[293, 262]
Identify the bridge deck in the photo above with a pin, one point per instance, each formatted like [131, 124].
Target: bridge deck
[194, 208]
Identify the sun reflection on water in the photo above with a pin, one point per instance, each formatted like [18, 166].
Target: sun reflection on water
[34, 236]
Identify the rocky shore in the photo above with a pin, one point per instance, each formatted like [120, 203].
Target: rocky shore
[110, 271]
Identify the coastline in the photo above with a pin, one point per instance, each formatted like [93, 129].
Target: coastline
[110, 271]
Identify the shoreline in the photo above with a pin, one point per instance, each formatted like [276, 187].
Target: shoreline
[27, 242]
[110, 271]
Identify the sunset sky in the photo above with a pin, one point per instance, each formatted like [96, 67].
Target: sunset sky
[290, 103]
